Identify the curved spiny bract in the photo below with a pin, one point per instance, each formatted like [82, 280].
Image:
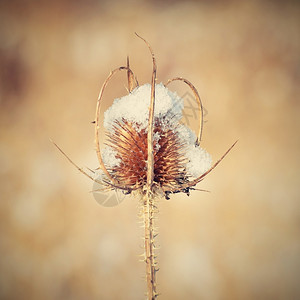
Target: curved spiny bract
[97, 126]
[196, 94]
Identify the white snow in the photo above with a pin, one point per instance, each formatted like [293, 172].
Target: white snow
[109, 157]
[135, 106]
[168, 108]
[186, 134]
[156, 138]
[199, 161]
[98, 175]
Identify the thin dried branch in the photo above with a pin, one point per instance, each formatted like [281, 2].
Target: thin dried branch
[150, 161]
[103, 182]
[77, 167]
[199, 136]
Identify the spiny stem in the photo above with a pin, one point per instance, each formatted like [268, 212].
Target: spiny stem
[149, 207]
[151, 269]
[150, 160]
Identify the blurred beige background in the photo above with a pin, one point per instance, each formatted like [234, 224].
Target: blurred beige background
[241, 241]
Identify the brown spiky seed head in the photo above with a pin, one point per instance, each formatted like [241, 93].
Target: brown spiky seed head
[130, 145]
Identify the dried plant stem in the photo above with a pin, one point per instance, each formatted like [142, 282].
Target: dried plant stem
[125, 138]
[149, 209]
[148, 199]
[150, 160]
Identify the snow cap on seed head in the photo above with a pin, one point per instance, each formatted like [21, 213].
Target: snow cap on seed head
[134, 108]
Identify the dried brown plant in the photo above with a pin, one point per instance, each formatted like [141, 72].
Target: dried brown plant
[145, 169]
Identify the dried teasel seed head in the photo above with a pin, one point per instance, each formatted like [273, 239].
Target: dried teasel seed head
[177, 158]
[131, 149]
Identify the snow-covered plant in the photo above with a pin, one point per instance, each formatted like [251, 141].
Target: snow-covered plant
[149, 152]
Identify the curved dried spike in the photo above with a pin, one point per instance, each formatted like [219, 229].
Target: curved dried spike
[197, 180]
[112, 73]
[77, 167]
[150, 160]
[131, 78]
[86, 174]
[199, 136]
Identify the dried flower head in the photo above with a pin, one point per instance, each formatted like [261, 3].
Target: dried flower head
[177, 157]
[147, 147]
